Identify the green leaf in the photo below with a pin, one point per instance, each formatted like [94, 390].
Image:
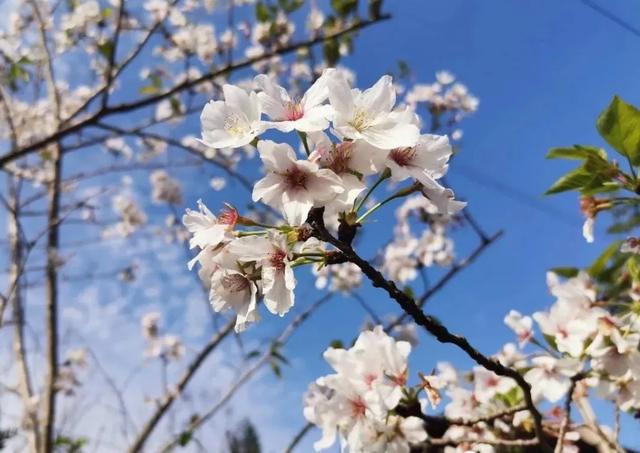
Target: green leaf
[276, 370]
[344, 7]
[633, 266]
[566, 272]
[337, 344]
[551, 341]
[331, 52]
[578, 152]
[601, 263]
[262, 12]
[149, 89]
[278, 355]
[185, 438]
[106, 49]
[575, 179]
[619, 125]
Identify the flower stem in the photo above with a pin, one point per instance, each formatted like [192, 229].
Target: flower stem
[303, 139]
[399, 194]
[251, 233]
[385, 175]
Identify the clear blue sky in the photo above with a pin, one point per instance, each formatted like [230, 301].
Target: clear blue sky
[543, 71]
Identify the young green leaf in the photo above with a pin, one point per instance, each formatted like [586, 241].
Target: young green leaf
[619, 125]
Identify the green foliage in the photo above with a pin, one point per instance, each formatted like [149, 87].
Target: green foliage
[265, 13]
[106, 49]
[65, 444]
[331, 51]
[619, 125]
[277, 359]
[154, 87]
[600, 264]
[344, 8]
[595, 175]
[633, 266]
[290, 6]
[337, 344]
[566, 272]
[185, 438]
[18, 72]
[244, 440]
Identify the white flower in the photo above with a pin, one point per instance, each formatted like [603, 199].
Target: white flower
[425, 162]
[165, 188]
[443, 199]
[368, 115]
[399, 263]
[587, 229]
[445, 77]
[307, 115]
[234, 122]
[487, 384]
[293, 186]
[207, 229]
[231, 289]
[550, 378]
[278, 281]
[150, 323]
[356, 401]
[631, 245]
[521, 325]
[346, 159]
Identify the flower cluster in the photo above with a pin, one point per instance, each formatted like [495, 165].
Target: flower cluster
[357, 402]
[581, 342]
[166, 347]
[348, 135]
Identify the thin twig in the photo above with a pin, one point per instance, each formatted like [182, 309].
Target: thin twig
[179, 387]
[249, 372]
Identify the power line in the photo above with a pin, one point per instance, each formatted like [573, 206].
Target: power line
[516, 194]
[612, 17]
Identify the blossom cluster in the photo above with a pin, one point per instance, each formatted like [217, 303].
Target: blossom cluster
[167, 346]
[347, 136]
[358, 402]
[581, 341]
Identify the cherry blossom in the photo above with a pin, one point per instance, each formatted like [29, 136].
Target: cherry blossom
[272, 255]
[293, 186]
[368, 114]
[234, 122]
[309, 114]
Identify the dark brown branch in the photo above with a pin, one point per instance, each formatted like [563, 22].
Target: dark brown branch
[177, 89]
[431, 324]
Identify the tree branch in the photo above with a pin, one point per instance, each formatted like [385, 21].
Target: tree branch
[186, 85]
[432, 325]
[171, 396]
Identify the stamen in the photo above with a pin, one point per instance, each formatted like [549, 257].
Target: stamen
[235, 283]
[403, 156]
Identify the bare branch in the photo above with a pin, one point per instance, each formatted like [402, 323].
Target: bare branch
[171, 395]
[179, 88]
[249, 372]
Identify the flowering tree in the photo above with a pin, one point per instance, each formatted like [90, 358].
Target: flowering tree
[123, 83]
